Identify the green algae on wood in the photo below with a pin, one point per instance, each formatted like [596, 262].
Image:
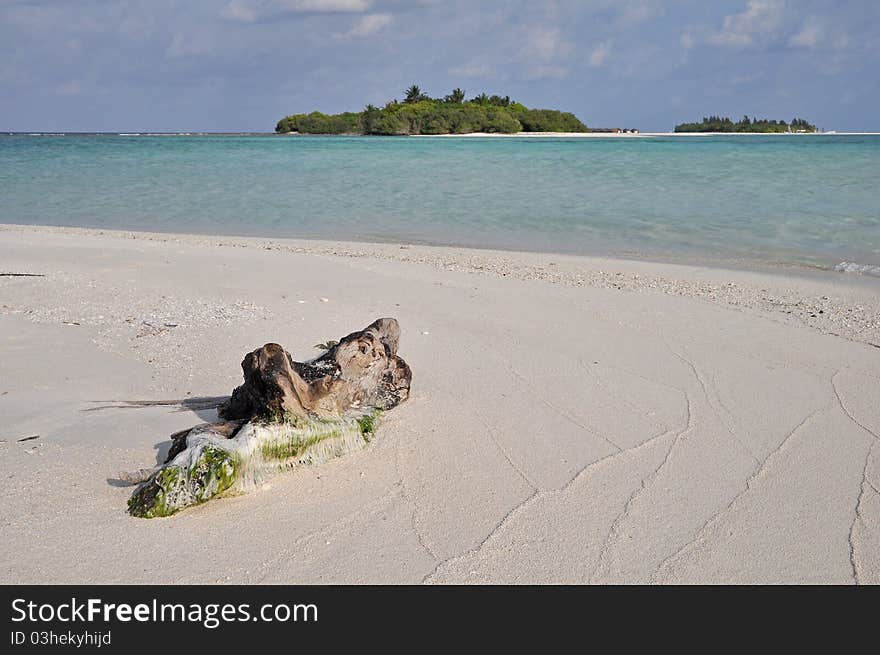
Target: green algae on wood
[171, 488]
[285, 414]
[367, 424]
[213, 465]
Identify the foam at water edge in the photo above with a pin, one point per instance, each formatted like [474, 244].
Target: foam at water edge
[861, 269]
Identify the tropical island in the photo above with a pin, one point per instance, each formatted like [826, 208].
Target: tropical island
[419, 113]
[746, 124]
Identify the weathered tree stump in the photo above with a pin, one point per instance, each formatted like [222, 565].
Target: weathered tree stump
[285, 414]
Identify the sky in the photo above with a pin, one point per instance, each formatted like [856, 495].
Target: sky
[240, 65]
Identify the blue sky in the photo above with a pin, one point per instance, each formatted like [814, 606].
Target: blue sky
[166, 65]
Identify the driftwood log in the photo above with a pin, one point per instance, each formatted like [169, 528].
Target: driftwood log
[286, 413]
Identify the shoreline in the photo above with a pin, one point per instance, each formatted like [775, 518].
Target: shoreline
[772, 288]
[689, 260]
[630, 135]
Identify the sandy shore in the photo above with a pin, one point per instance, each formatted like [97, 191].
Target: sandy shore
[572, 419]
[632, 135]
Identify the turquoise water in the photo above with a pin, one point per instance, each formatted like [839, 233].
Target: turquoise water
[794, 199]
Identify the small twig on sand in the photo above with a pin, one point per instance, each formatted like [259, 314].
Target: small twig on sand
[22, 275]
[36, 436]
[195, 403]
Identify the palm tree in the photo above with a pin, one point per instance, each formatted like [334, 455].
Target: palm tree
[457, 96]
[413, 94]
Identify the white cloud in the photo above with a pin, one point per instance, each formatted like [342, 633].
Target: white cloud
[687, 40]
[328, 6]
[759, 21]
[544, 72]
[809, 36]
[638, 12]
[248, 11]
[473, 69]
[369, 25]
[546, 44]
[540, 51]
[600, 54]
[239, 11]
[188, 46]
[814, 34]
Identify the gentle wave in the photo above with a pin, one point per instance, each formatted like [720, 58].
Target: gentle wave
[859, 269]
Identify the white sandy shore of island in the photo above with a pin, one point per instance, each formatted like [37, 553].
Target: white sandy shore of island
[572, 419]
[631, 135]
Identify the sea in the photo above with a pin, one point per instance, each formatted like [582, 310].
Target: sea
[798, 200]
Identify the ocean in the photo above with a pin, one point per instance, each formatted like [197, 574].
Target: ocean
[811, 200]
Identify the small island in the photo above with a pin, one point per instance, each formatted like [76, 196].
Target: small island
[419, 113]
[746, 124]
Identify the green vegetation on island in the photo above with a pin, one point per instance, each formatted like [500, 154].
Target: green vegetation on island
[759, 125]
[420, 114]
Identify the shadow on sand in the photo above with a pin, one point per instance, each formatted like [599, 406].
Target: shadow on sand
[205, 407]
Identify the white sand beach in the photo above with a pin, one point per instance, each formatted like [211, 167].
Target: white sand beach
[623, 135]
[572, 419]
